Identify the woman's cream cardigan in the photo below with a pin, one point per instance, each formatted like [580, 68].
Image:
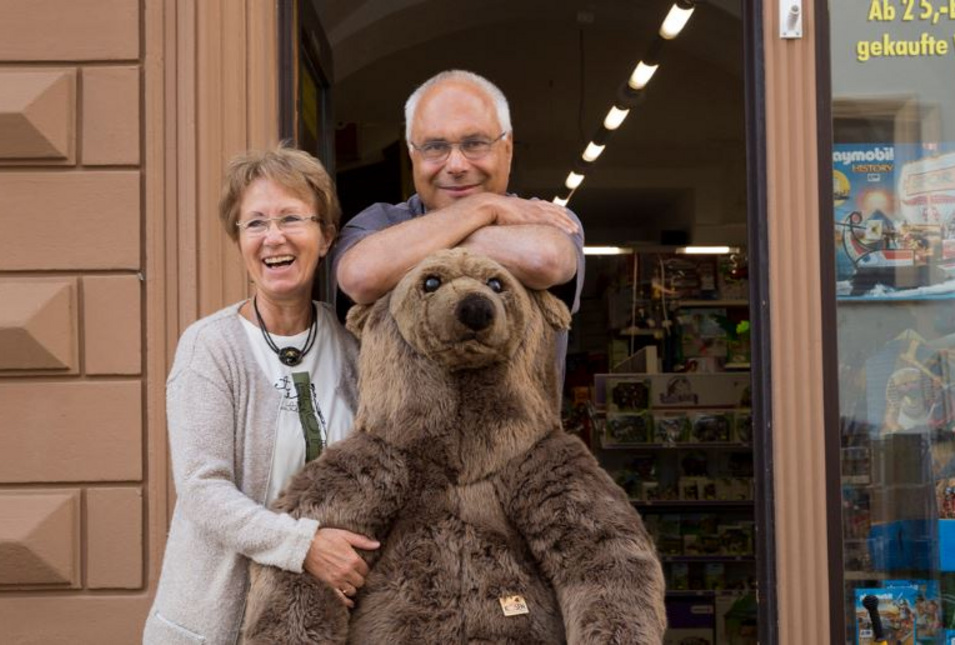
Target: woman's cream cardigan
[221, 413]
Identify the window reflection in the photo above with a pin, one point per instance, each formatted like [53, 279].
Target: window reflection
[894, 230]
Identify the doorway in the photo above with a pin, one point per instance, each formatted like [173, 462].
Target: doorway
[652, 316]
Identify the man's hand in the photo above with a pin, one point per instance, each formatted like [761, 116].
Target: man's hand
[515, 210]
[332, 559]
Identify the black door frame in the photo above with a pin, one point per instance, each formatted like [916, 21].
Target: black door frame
[830, 355]
[303, 46]
[759, 294]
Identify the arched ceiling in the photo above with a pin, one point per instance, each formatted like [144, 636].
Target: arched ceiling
[679, 158]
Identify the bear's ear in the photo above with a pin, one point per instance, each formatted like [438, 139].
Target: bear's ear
[356, 319]
[555, 311]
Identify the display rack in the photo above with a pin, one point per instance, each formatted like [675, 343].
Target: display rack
[681, 446]
[674, 335]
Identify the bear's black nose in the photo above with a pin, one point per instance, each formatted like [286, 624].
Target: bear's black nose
[476, 312]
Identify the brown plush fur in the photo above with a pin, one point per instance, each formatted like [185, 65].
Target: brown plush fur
[460, 468]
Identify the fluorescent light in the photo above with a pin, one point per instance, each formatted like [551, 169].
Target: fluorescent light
[607, 250]
[561, 202]
[674, 22]
[707, 250]
[573, 180]
[641, 75]
[593, 151]
[615, 117]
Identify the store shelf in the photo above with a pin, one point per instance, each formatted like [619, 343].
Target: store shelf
[726, 445]
[705, 593]
[736, 366]
[639, 331]
[689, 503]
[856, 480]
[708, 558]
[691, 593]
[858, 576]
[713, 303]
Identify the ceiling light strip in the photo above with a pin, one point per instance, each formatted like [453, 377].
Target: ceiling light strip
[629, 94]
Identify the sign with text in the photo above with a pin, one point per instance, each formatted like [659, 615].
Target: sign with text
[934, 15]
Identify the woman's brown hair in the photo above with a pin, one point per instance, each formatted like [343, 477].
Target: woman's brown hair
[297, 171]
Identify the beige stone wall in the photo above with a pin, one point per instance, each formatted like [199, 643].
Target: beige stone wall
[71, 325]
[116, 117]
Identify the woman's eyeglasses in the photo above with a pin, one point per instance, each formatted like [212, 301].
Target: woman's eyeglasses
[291, 224]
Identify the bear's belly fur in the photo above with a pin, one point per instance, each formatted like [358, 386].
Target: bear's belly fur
[443, 569]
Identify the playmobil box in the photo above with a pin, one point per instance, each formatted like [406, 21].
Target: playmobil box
[671, 427]
[896, 611]
[910, 609]
[895, 215]
[628, 394]
[701, 390]
[711, 426]
[627, 429]
[905, 396]
[928, 608]
[865, 213]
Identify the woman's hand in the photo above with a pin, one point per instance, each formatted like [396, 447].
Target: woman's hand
[332, 559]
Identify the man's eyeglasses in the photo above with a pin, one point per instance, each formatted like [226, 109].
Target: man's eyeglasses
[473, 148]
[291, 224]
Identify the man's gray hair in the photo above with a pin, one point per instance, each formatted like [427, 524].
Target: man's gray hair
[489, 88]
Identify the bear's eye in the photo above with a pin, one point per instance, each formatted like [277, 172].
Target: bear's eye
[431, 283]
[495, 285]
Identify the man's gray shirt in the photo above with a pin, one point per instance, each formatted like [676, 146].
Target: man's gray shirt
[380, 216]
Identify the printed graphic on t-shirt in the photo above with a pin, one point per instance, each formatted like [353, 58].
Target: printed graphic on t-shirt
[290, 401]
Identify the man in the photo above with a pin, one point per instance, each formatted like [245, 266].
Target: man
[458, 128]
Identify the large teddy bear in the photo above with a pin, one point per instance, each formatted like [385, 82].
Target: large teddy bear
[495, 525]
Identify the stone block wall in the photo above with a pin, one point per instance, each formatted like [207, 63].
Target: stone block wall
[71, 318]
[116, 120]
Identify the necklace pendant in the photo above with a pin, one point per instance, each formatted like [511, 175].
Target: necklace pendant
[290, 356]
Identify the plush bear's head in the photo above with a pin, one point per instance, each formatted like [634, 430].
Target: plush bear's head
[465, 311]
[459, 341]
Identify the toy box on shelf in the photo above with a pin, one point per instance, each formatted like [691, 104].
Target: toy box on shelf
[693, 474]
[702, 534]
[671, 409]
[690, 621]
[898, 606]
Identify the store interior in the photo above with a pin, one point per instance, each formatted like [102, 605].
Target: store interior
[658, 369]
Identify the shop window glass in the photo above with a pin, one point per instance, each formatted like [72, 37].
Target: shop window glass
[893, 165]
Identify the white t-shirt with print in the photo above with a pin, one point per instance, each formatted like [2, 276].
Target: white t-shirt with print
[324, 364]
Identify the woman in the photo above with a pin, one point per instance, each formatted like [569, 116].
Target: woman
[257, 389]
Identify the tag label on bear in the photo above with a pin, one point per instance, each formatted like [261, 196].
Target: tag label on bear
[513, 605]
